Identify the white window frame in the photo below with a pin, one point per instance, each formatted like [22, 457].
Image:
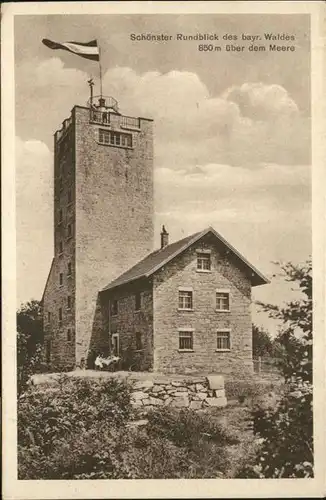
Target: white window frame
[225, 291]
[223, 330]
[206, 252]
[186, 289]
[186, 330]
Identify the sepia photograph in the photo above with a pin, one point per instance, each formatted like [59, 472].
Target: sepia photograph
[163, 172]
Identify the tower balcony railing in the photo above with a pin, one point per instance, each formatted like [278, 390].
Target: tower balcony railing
[107, 118]
[108, 101]
[110, 114]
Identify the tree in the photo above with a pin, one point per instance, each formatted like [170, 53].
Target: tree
[29, 341]
[262, 344]
[287, 428]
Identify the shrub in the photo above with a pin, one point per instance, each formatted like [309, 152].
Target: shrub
[74, 417]
[286, 429]
[241, 389]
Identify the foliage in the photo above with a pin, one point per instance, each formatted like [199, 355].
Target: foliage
[181, 444]
[262, 344]
[286, 429]
[78, 420]
[82, 429]
[235, 389]
[29, 342]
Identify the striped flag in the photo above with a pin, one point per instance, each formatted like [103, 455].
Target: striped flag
[87, 50]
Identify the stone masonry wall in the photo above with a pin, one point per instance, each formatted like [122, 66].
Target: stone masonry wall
[195, 393]
[128, 322]
[114, 213]
[60, 335]
[226, 273]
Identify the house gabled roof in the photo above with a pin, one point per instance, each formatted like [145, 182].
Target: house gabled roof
[155, 260]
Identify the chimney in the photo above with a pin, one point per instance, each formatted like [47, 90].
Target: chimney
[164, 237]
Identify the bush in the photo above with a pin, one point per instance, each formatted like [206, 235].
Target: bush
[74, 418]
[81, 429]
[240, 389]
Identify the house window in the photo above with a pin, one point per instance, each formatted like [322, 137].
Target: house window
[61, 279]
[60, 248]
[223, 340]
[138, 301]
[115, 138]
[69, 269]
[69, 334]
[114, 307]
[185, 300]
[69, 230]
[185, 340]
[222, 300]
[139, 344]
[60, 314]
[203, 261]
[69, 302]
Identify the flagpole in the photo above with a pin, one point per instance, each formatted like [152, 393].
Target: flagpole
[100, 67]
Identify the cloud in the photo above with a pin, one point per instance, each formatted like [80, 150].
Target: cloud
[236, 161]
[246, 125]
[34, 216]
[261, 102]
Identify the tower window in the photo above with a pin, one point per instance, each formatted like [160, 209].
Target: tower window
[115, 138]
[49, 317]
[61, 279]
[69, 230]
[60, 314]
[69, 302]
[60, 216]
[69, 334]
[69, 196]
[60, 248]
[69, 269]
[61, 184]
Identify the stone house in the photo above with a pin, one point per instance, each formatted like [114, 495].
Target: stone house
[185, 308]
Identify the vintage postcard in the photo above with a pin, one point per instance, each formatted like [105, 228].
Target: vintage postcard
[164, 252]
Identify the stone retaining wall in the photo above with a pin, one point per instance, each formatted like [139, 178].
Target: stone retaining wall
[151, 390]
[194, 393]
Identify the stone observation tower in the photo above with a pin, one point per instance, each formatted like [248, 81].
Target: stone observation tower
[103, 220]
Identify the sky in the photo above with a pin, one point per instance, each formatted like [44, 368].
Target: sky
[232, 131]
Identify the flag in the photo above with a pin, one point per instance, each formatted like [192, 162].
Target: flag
[88, 50]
